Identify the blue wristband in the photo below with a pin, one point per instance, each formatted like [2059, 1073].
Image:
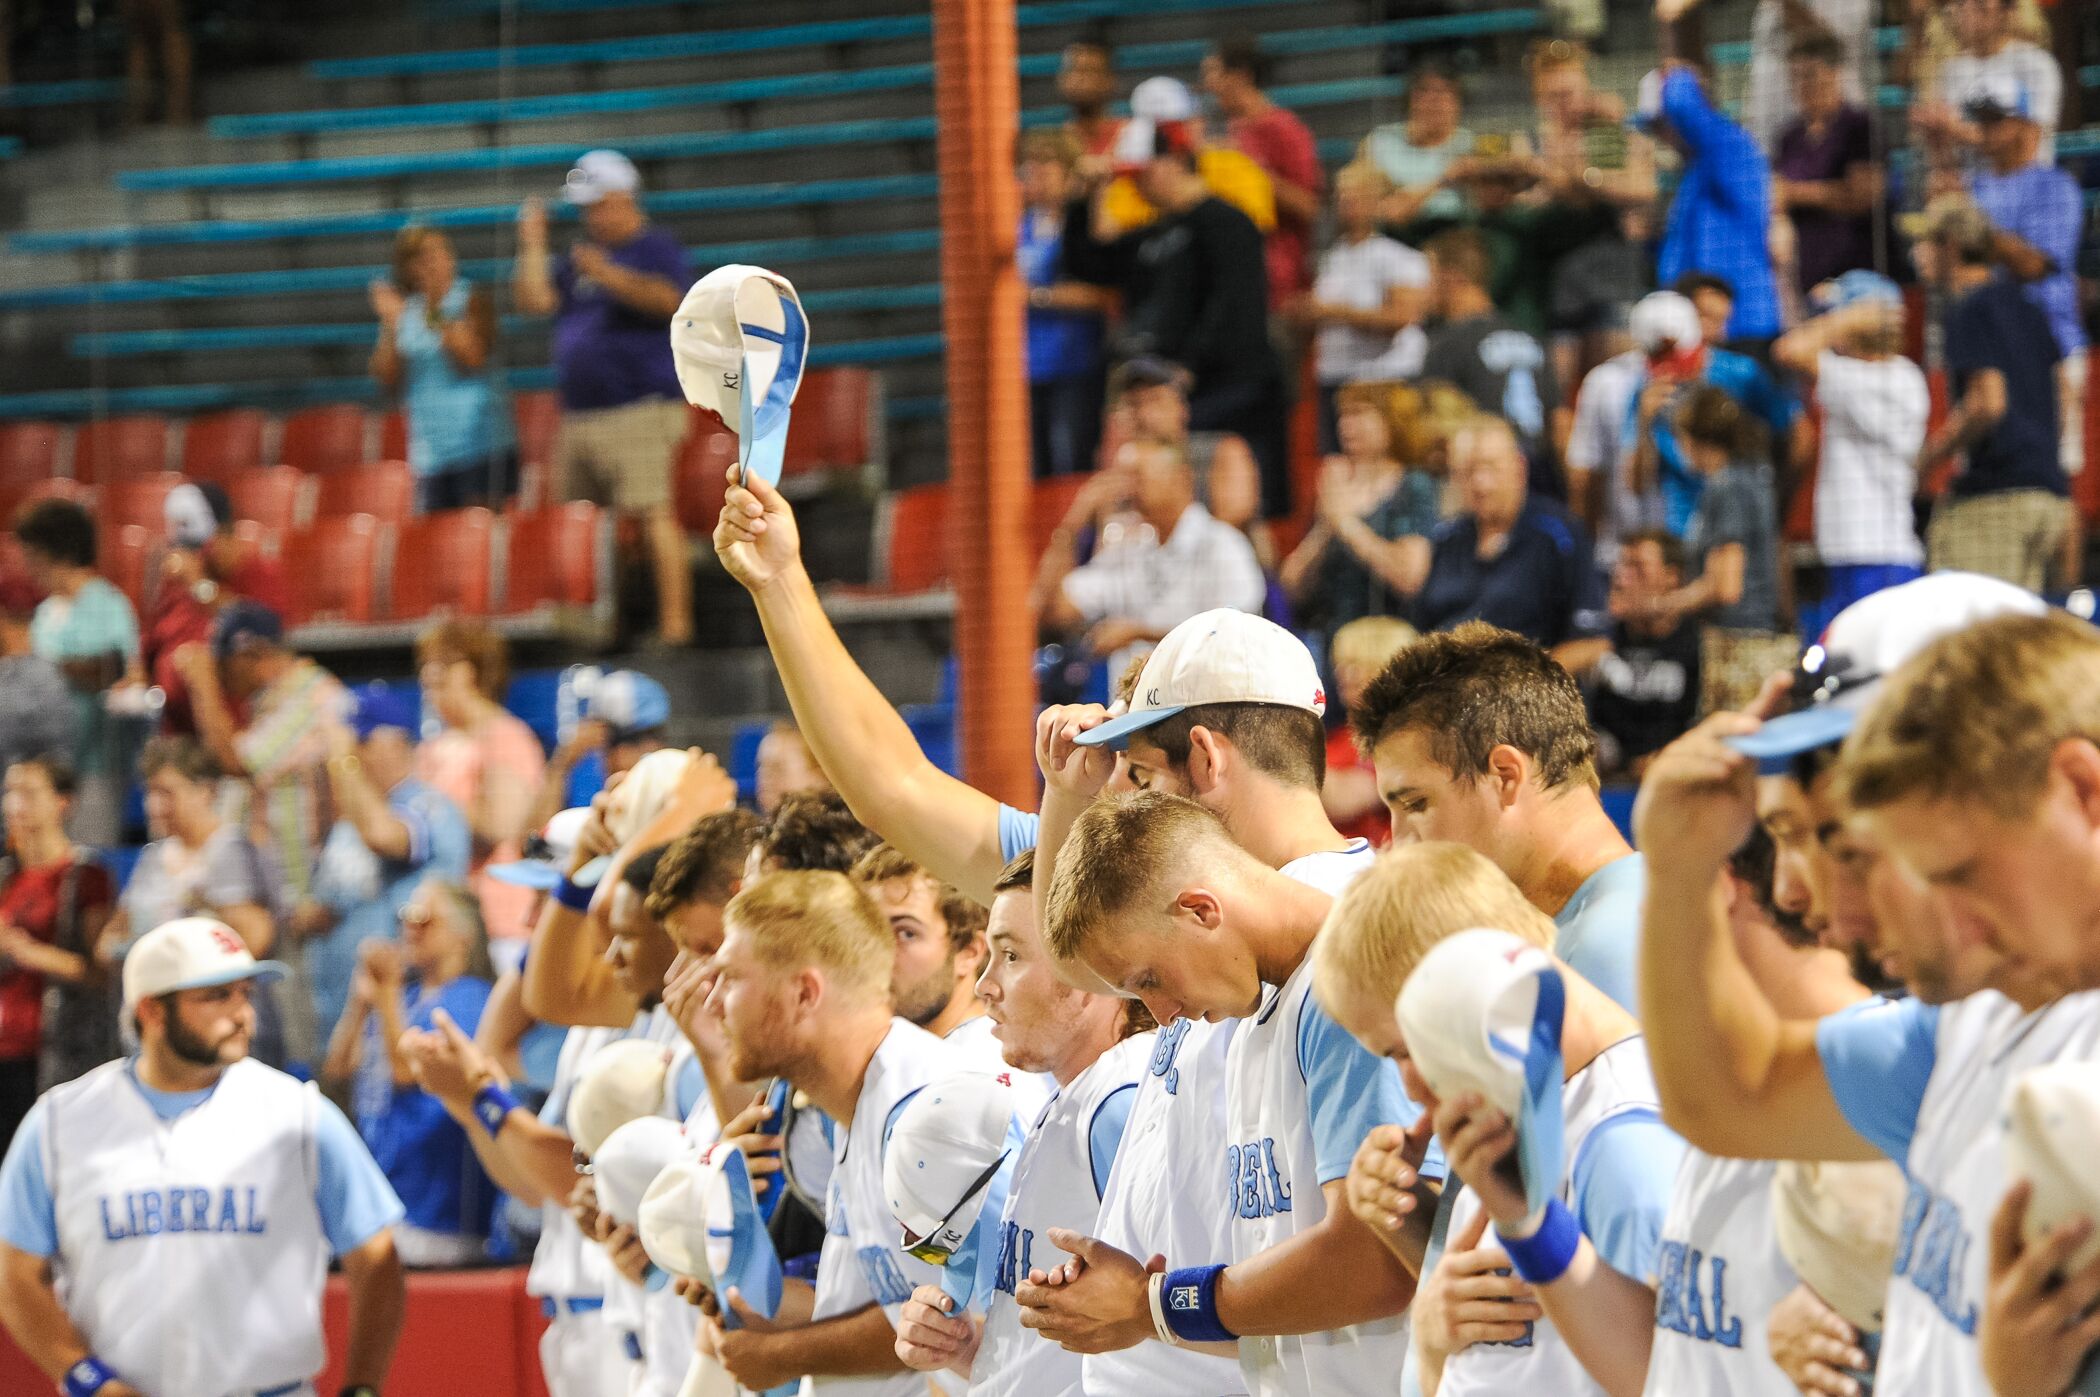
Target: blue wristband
[572, 897]
[492, 1106]
[1189, 1300]
[1544, 1256]
[88, 1377]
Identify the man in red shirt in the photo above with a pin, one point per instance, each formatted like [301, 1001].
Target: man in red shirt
[1235, 74]
[207, 565]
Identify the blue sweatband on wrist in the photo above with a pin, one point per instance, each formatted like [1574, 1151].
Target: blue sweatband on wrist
[572, 897]
[1189, 1300]
[492, 1107]
[88, 1377]
[1544, 1256]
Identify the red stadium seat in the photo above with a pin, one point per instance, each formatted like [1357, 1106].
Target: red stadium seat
[118, 448]
[220, 445]
[1047, 508]
[553, 558]
[141, 501]
[16, 498]
[125, 556]
[335, 572]
[384, 489]
[28, 452]
[322, 439]
[836, 422]
[442, 563]
[272, 496]
[269, 540]
[538, 418]
[703, 472]
[393, 436]
[915, 542]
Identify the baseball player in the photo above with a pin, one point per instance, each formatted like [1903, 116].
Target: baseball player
[166, 1221]
[1154, 898]
[1084, 1041]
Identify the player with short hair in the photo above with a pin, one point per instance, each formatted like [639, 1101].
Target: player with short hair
[811, 830]
[940, 944]
[166, 1221]
[1479, 736]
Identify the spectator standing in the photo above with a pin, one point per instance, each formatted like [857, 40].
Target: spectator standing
[1491, 360]
[1990, 54]
[391, 832]
[1510, 559]
[1358, 653]
[1644, 692]
[1065, 379]
[199, 864]
[1180, 563]
[1777, 29]
[1719, 220]
[2038, 211]
[1874, 404]
[623, 416]
[1368, 549]
[622, 720]
[86, 627]
[1150, 398]
[1412, 155]
[1086, 84]
[2006, 511]
[1602, 490]
[54, 902]
[440, 965]
[1826, 178]
[206, 565]
[1166, 103]
[1236, 75]
[483, 758]
[1366, 302]
[36, 710]
[437, 336]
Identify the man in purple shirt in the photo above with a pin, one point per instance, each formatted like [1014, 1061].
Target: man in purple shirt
[623, 416]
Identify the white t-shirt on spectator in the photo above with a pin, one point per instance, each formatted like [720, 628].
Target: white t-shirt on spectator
[1874, 414]
[1360, 276]
[1597, 444]
[2032, 68]
[1768, 99]
[1202, 565]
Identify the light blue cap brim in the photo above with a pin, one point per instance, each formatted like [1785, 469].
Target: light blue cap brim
[754, 1264]
[1115, 733]
[1775, 745]
[268, 972]
[1540, 1149]
[527, 873]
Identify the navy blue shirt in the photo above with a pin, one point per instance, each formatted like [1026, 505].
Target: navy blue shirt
[606, 354]
[1541, 585]
[1997, 327]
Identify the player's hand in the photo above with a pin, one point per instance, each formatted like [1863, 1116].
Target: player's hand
[624, 1245]
[594, 838]
[1469, 1298]
[695, 1293]
[118, 1388]
[753, 1354]
[1067, 766]
[1099, 1304]
[1477, 1140]
[761, 1152]
[1699, 799]
[2038, 1319]
[1382, 1178]
[756, 537]
[1813, 1345]
[930, 1336]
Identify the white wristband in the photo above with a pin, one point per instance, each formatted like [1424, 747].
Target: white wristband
[1154, 1285]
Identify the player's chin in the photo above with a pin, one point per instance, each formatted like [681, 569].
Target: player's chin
[234, 1046]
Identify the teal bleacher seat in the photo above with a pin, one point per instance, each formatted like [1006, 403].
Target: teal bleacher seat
[1887, 39]
[75, 92]
[10, 147]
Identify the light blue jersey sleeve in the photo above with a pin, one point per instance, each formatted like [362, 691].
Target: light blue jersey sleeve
[1104, 1135]
[1877, 1057]
[1348, 1092]
[1623, 1178]
[28, 1217]
[1017, 831]
[690, 1084]
[356, 1201]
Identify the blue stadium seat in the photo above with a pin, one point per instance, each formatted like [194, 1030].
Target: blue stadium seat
[534, 696]
[743, 757]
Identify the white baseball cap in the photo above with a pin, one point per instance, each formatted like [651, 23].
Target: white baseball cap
[1837, 1226]
[635, 802]
[1840, 675]
[1665, 319]
[944, 1150]
[1162, 99]
[190, 953]
[2052, 1138]
[739, 342]
[1482, 1013]
[598, 173]
[1221, 656]
[700, 1219]
[546, 854]
[629, 1161]
[622, 1082]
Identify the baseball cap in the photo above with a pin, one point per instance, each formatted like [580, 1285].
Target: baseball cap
[1995, 96]
[1482, 1013]
[1221, 656]
[1840, 674]
[2052, 1137]
[194, 511]
[1160, 107]
[622, 1082]
[376, 706]
[1663, 320]
[1856, 287]
[245, 625]
[739, 343]
[945, 1167]
[701, 1219]
[1952, 218]
[1837, 1225]
[628, 702]
[629, 1161]
[598, 173]
[190, 953]
[545, 854]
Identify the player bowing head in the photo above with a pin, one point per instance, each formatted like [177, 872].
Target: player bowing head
[803, 956]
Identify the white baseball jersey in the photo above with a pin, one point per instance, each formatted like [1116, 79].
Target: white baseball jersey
[1718, 1273]
[1058, 1181]
[566, 1265]
[216, 1206]
[1947, 1130]
[1621, 1165]
[862, 1261]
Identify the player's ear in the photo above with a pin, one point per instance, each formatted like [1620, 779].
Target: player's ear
[1201, 906]
[1508, 770]
[1209, 760]
[2077, 761]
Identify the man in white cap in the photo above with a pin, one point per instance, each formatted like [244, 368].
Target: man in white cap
[623, 415]
[1601, 490]
[192, 1199]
